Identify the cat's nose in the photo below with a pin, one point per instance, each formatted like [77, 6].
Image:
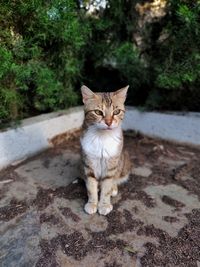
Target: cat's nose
[108, 122]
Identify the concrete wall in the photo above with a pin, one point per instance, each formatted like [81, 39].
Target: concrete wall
[178, 127]
[34, 134]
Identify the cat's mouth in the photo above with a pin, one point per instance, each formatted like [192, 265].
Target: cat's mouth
[108, 128]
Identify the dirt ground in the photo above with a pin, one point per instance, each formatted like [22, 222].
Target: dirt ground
[155, 220]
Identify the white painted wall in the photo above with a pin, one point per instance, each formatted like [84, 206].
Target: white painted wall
[33, 134]
[178, 127]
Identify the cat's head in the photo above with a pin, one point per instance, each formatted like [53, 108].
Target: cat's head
[104, 110]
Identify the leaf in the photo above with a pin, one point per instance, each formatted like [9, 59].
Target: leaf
[129, 249]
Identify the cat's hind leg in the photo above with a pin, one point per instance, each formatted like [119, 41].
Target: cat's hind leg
[122, 179]
[118, 182]
[114, 190]
[104, 205]
[92, 191]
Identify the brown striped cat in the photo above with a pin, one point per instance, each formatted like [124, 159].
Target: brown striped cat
[105, 162]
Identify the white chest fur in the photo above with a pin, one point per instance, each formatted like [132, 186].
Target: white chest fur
[99, 146]
[101, 143]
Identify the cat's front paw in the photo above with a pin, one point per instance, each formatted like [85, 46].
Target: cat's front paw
[104, 209]
[90, 208]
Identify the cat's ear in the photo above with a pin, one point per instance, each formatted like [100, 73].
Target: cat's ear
[86, 93]
[122, 93]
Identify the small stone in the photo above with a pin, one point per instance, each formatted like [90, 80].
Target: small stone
[155, 148]
[142, 171]
[17, 162]
[158, 147]
[97, 224]
[6, 181]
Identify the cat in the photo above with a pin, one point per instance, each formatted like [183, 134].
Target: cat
[106, 164]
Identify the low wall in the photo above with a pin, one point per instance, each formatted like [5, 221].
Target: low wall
[173, 126]
[34, 134]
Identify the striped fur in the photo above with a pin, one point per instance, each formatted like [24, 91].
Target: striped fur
[105, 162]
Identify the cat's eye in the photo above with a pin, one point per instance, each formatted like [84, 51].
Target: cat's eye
[116, 111]
[98, 112]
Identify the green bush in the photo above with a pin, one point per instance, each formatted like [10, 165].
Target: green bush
[112, 58]
[163, 74]
[48, 48]
[41, 56]
[177, 69]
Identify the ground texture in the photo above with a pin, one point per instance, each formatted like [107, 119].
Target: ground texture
[155, 220]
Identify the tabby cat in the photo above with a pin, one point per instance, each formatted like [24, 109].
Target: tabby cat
[105, 162]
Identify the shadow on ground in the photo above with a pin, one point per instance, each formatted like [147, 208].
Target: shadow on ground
[155, 220]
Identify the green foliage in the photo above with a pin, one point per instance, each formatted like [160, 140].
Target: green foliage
[162, 74]
[177, 78]
[130, 65]
[7, 97]
[41, 56]
[5, 61]
[112, 58]
[48, 48]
